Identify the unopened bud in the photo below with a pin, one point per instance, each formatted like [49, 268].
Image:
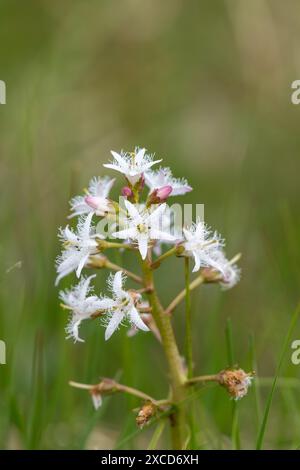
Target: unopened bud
[164, 192]
[100, 205]
[92, 201]
[160, 195]
[127, 192]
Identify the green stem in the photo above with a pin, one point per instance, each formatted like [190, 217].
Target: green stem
[188, 320]
[181, 296]
[203, 379]
[104, 245]
[100, 262]
[115, 267]
[116, 387]
[166, 255]
[177, 375]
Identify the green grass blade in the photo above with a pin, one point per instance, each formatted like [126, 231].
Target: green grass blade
[157, 435]
[36, 411]
[287, 339]
[229, 343]
[256, 382]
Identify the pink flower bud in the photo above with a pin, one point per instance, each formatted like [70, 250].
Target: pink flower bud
[127, 192]
[163, 193]
[159, 195]
[93, 201]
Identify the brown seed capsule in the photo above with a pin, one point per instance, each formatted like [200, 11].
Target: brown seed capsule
[236, 382]
[145, 414]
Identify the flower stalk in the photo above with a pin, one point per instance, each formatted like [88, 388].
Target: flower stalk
[182, 295]
[176, 250]
[102, 262]
[188, 320]
[175, 364]
[108, 387]
[143, 228]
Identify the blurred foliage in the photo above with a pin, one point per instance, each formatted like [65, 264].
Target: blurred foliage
[205, 85]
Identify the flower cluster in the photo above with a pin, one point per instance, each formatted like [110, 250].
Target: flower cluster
[143, 225]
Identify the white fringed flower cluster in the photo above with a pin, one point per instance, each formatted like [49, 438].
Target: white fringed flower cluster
[143, 227]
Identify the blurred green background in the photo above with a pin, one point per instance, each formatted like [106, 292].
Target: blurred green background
[206, 85]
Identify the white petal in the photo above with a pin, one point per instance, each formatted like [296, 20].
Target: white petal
[150, 164]
[155, 216]
[143, 247]
[209, 261]
[113, 324]
[149, 180]
[139, 156]
[162, 177]
[78, 206]
[159, 235]
[106, 303]
[107, 186]
[114, 167]
[68, 262]
[81, 265]
[61, 275]
[133, 212]
[136, 319]
[121, 161]
[73, 331]
[125, 234]
[70, 236]
[85, 287]
[78, 211]
[181, 190]
[197, 262]
[97, 400]
[118, 283]
[188, 235]
[100, 187]
[86, 228]
[200, 230]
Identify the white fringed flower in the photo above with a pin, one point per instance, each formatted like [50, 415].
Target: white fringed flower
[121, 306]
[162, 178]
[132, 165]
[202, 245]
[168, 226]
[82, 305]
[229, 271]
[95, 200]
[79, 247]
[143, 226]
